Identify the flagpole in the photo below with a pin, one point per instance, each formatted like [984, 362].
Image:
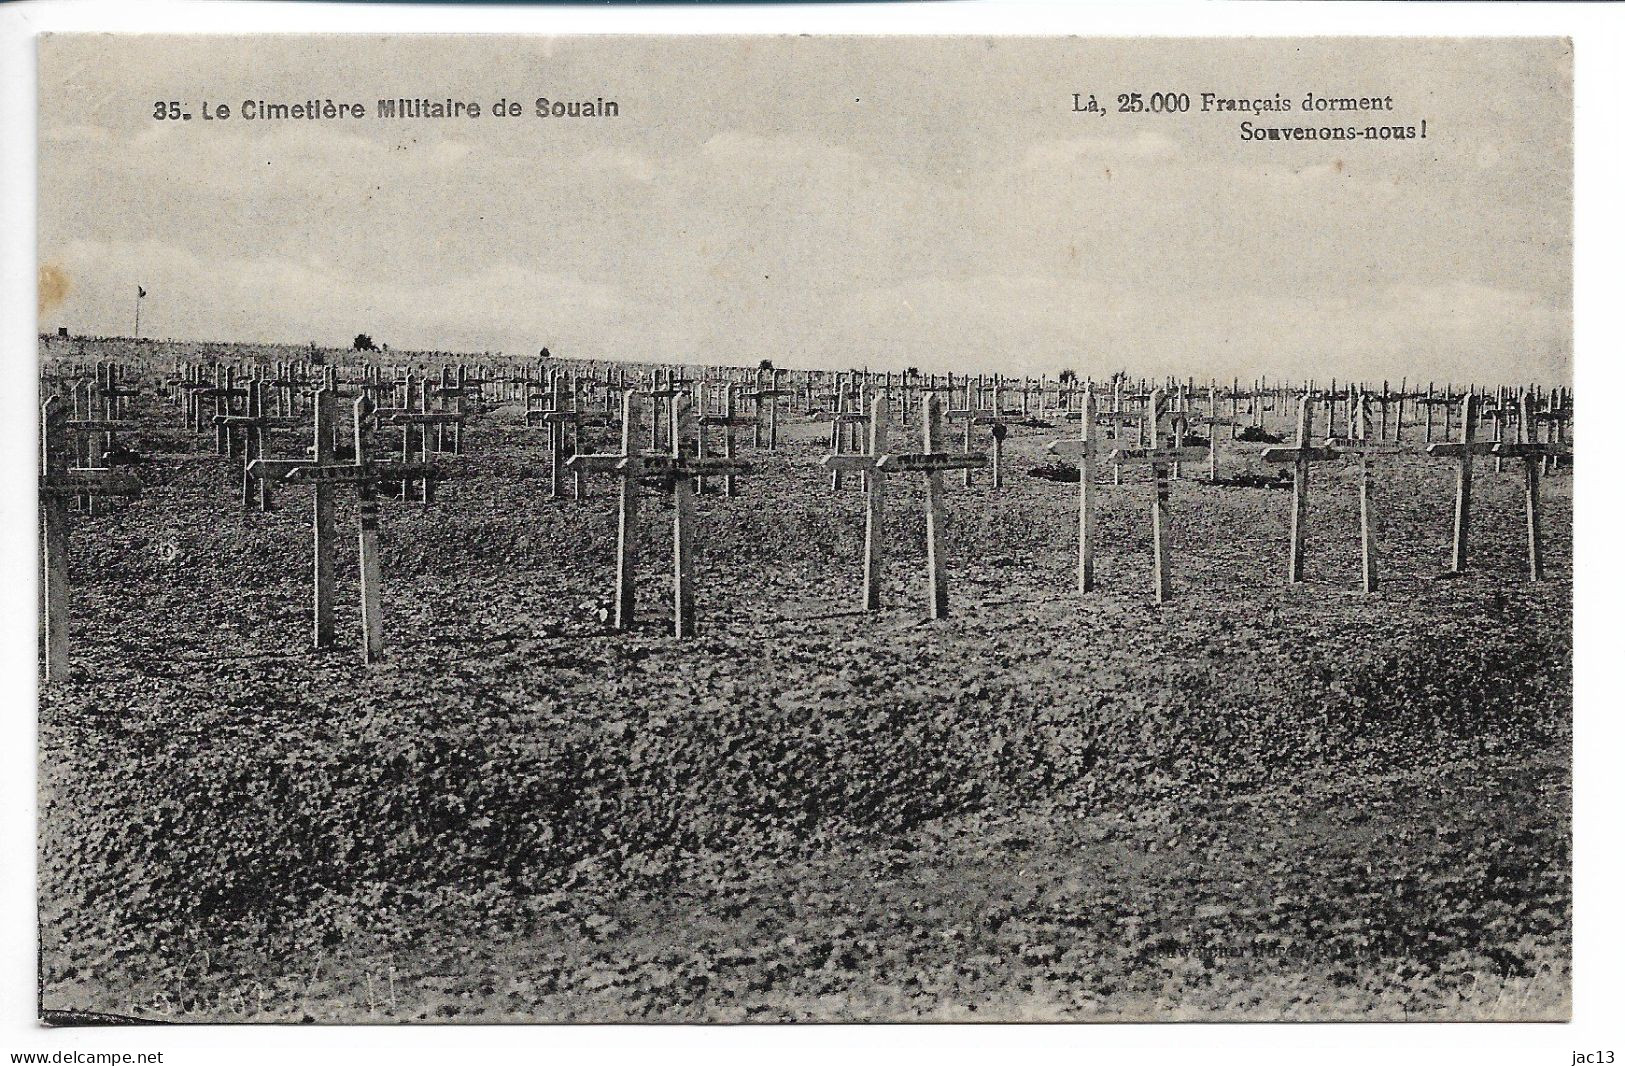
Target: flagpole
[138, 313]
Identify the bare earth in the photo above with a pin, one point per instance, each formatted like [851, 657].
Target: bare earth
[1253, 803]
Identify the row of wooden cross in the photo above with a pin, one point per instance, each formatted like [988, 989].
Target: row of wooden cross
[59, 482]
[243, 412]
[558, 404]
[1360, 444]
[682, 473]
[1533, 453]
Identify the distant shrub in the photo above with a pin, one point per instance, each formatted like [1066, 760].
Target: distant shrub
[363, 343]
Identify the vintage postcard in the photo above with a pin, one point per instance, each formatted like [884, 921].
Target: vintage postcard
[804, 529]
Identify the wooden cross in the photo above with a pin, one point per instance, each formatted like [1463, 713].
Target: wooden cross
[1117, 418]
[253, 427]
[1534, 454]
[1161, 457]
[967, 415]
[451, 396]
[1463, 451]
[191, 390]
[1555, 418]
[625, 464]
[84, 431]
[874, 522]
[223, 392]
[995, 421]
[1086, 446]
[363, 475]
[844, 422]
[932, 463]
[665, 394]
[771, 396]
[728, 421]
[562, 425]
[94, 431]
[57, 485]
[416, 413]
[1212, 422]
[1498, 414]
[1300, 455]
[1363, 446]
[678, 472]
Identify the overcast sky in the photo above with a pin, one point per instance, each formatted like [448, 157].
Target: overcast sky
[825, 202]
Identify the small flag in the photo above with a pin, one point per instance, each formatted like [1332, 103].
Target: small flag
[140, 293]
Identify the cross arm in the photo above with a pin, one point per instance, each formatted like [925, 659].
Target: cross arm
[95, 425]
[89, 483]
[1456, 449]
[1071, 446]
[850, 463]
[601, 464]
[931, 462]
[1365, 446]
[425, 418]
[676, 466]
[1308, 452]
[1157, 455]
[1533, 450]
[354, 473]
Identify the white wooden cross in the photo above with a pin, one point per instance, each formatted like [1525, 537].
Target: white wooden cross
[1300, 455]
[728, 421]
[1463, 451]
[253, 427]
[664, 394]
[770, 396]
[223, 392]
[415, 413]
[844, 422]
[932, 463]
[1365, 447]
[679, 472]
[562, 425]
[363, 475]
[994, 419]
[1086, 446]
[874, 522]
[626, 465]
[84, 432]
[1212, 421]
[1534, 455]
[451, 398]
[1556, 416]
[1161, 456]
[57, 485]
[968, 415]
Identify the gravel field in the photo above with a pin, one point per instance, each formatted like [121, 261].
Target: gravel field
[1255, 802]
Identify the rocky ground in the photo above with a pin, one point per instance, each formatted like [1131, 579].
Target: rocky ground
[1253, 802]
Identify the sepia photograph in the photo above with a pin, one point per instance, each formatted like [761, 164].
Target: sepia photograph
[804, 529]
